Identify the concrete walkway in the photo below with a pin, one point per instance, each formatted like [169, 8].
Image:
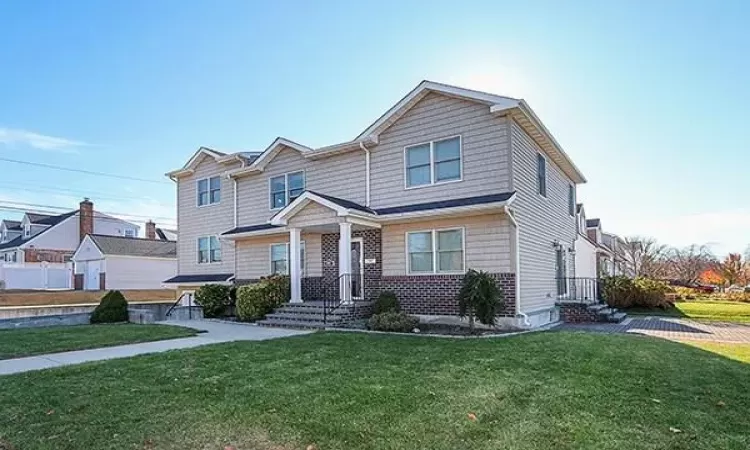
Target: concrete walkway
[215, 332]
[674, 329]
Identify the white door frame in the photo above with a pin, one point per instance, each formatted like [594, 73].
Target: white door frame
[361, 243]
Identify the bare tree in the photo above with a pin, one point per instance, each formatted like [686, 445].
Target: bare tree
[733, 270]
[642, 257]
[687, 264]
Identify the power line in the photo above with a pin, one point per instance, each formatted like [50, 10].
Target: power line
[87, 172]
[67, 209]
[164, 221]
[55, 190]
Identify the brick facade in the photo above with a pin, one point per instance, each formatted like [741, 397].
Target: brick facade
[577, 313]
[372, 243]
[436, 294]
[33, 255]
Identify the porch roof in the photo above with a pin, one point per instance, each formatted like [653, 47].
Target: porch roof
[344, 207]
[201, 278]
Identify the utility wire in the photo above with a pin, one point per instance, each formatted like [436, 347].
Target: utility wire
[87, 172]
[67, 209]
[55, 190]
[165, 222]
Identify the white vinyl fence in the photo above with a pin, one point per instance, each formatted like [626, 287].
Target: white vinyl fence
[37, 276]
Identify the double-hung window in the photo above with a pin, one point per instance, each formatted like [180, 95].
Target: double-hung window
[541, 174]
[435, 251]
[433, 162]
[561, 272]
[280, 258]
[209, 191]
[286, 188]
[209, 250]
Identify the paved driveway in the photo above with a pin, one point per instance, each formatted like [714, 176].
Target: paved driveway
[214, 332]
[673, 329]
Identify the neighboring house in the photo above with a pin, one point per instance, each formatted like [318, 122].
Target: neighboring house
[448, 179]
[587, 250]
[116, 262]
[35, 252]
[607, 249]
[162, 234]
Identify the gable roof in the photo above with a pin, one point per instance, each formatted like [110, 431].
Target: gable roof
[131, 246]
[497, 104]
[12, 224]
[161, 233]
[220, 157]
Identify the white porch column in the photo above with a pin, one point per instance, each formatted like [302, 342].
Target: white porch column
[295, 268]
[345, 262]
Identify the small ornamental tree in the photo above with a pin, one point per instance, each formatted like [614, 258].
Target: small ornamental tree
[112, 309]
[479, 298]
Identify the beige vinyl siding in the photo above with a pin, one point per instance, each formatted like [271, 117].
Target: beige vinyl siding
[312, 214]
[486, 240]
[254, 257]
[340, 176]
[210, 220]
[542, 221]
[485, 151]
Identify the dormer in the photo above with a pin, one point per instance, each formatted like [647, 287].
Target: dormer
[594, 230]
[26, 227]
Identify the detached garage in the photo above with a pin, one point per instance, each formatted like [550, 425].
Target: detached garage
[117, 262]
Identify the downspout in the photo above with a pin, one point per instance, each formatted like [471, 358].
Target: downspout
[367, 173]
[236, 213]
[517, 263]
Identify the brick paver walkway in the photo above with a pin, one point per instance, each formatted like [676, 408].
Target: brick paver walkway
[673, 329]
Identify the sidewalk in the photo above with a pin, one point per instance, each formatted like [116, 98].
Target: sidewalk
[215, 332]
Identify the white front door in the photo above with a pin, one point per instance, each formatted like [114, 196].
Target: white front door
[358, 268]
[92, 276]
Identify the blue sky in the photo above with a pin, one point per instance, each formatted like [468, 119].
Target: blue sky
[649, 98]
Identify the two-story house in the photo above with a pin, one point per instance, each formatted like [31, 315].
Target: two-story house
[448, 179]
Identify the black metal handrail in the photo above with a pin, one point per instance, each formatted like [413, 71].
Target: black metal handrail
[584, 290]
[331, 292]
[175, 304]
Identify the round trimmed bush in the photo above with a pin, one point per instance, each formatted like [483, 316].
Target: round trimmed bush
[113, 308]
[213, 298]
[393, 321]
[387, 301]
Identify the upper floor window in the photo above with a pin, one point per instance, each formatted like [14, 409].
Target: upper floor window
[571, 200]
[280, 258]
[541, 174]
[209, 191]
[27, 230]
[209, 250]
[129, 232]
[286, 188]
[435, 251]
[433, 162]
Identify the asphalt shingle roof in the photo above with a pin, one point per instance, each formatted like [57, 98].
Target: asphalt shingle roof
[130, 246]
[590, 223]
[205, 278]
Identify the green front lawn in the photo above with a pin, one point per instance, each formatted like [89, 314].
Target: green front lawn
[702, 310]
[349, 391]
[740, 352]
[34, 341]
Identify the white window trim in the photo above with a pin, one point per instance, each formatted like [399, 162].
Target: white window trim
[566, 262]
[435, 270]
[432, 163]
[198, 192]
[546, 176]
[286, 188]
[198, 248]
[303, 265]
[27, 231]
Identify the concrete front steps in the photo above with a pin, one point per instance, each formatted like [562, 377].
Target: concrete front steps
[308, 315]
[607, 314]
